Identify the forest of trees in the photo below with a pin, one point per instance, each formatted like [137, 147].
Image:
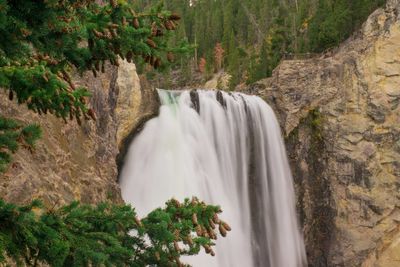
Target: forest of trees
[255, 34]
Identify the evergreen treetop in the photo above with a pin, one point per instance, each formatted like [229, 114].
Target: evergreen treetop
[43, 42]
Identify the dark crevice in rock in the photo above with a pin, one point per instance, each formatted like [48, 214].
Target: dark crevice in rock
[308, 158]
[194, 97]
[220, 99]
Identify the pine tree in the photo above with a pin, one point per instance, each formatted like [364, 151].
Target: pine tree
[218, 56]
[228, 24]
[107, 234]
[233, 63]
[43, 42]
[259, 69]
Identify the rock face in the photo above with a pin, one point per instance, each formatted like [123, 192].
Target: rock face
[78, 163]
[341, 117]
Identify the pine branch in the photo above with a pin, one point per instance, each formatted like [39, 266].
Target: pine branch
[12, 135]
[107, 234]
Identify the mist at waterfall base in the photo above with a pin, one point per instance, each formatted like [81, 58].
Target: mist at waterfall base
[227, 150]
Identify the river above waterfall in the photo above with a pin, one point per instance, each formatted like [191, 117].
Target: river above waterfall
[226, 149]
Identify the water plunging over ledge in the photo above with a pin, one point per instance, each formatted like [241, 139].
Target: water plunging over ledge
[227, 150]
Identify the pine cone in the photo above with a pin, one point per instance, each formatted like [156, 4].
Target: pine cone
[174, 17]
[226, 226]
[151, 43]
[172, 25]
[135, 23]
[212, 224]
[107, 34]
[194, 219]
[168, 25]
[124, 21]
[212, 234]
[207, 248]
[154, 29]
[91, 114]
[215, 218]
[98, 34]
[199, 231]
[190, 240]
[157, 63]
[170, 57]
[222, 230]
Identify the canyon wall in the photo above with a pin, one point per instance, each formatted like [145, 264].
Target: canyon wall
[73, 162]
[340, 114]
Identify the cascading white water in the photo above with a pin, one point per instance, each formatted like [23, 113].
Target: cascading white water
[225, 149]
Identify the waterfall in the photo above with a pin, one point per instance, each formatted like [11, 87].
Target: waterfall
[227, 150]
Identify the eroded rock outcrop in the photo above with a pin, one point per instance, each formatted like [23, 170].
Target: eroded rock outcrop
[78, 163]
[341, 116]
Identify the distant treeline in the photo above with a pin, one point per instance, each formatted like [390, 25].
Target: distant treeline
[249, 37]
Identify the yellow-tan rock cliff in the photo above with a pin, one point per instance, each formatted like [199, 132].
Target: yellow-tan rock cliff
[341, 115]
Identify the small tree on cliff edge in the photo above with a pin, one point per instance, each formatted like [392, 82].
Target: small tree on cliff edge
[42, 42]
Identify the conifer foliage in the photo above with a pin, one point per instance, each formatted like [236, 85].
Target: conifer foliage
[107, 234]
[12, 135]
[266, 29]
[43, 42]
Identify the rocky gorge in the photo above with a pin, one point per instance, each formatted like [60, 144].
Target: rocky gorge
[340, 114]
